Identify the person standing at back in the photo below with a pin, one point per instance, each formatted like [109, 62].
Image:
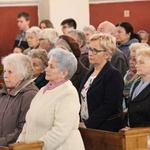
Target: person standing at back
[46, 23]
[118, 59]
[68, 24]
[23, 19]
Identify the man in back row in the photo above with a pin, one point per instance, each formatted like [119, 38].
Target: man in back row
[68, 24]
[118, 59]
[23, 19]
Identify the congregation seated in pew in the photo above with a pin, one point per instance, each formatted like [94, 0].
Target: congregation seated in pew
[138, 114]
[15, 96]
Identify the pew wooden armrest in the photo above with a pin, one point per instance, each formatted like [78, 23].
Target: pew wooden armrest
[4, 148]
[37, 145]
[125, 139]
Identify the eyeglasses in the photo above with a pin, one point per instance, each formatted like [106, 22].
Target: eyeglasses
[132, 58]
[42, 39]
[95, 51]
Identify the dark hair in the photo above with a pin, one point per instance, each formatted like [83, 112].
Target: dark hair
[22, 48]
[127, 26]
[24, 14]
[71, 22]
[48, 23]
[129, 29]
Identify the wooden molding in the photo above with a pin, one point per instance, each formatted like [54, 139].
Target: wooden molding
[113, 1]
[19, 3]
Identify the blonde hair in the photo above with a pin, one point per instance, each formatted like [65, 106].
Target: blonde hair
[106, 41]
[136, 46]
[144, 51]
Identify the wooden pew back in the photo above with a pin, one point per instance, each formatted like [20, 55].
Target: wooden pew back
[37, 145]
[125, 139]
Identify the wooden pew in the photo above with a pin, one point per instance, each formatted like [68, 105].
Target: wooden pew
[125, 139]
[37, 145]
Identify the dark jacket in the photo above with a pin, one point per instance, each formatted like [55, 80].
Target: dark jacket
[40, 81]
[13, 108]
[119, 61]
[21, 40]
[125, 47]
[139, 109]
[104, 99]
[79, 74]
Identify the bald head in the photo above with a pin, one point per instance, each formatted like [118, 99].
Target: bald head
[107, 27]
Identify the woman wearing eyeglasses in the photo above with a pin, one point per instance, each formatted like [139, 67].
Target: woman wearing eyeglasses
[101, 90]
[131, 76]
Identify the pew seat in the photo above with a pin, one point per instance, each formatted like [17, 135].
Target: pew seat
[125, 139]
[37, 145]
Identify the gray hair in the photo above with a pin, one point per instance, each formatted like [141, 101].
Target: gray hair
[146, 35]
[49, 34]
[65, 60]
[63, 42]
[89, 27]
[40, 54]
[21, 63]
[77, 35]
[36, 30]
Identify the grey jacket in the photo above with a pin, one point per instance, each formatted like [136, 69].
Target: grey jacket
[13, 108]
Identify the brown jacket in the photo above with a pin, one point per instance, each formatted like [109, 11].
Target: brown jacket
[13, 108]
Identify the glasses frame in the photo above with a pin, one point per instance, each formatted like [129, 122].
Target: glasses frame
[95, 51]
[43, 39]
[134, 59]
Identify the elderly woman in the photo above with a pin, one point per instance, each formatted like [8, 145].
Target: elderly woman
[15, 97]
[144, 36]
[53, 116]
[125, 36]
[138, 109]
[32, 38]
[47, 38]
[40, 62]
[71, 45]
[101, 90]
[88, 31]
[81, 40]
[131, 75]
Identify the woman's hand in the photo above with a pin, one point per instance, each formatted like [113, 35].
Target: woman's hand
[82, 125]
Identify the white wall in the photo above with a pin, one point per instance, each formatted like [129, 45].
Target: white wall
[62, 9]
[44, 9]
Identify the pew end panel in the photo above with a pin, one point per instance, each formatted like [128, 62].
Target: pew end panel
[125, 139]
[36, 145]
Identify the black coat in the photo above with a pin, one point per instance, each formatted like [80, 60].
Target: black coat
[119, 61]
[40, 81]
[104, 99]
[139, 109]
[79, 74]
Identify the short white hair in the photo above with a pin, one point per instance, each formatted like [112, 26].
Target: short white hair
[66, 61]
[49, 34]
[22, 64]
[36, 30]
